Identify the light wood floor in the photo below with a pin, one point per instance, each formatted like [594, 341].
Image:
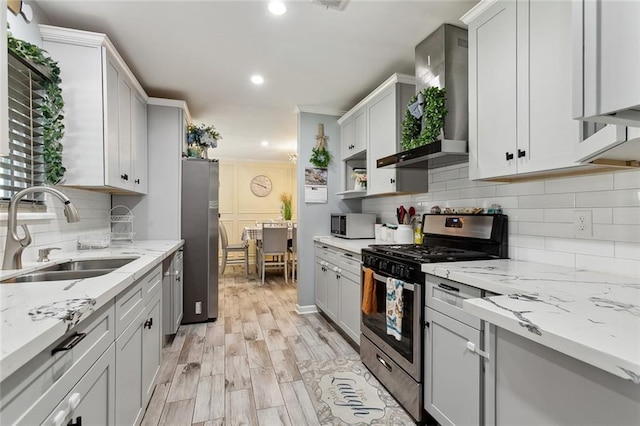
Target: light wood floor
[241, 369]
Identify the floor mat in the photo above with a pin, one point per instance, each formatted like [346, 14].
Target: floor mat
[344, 392]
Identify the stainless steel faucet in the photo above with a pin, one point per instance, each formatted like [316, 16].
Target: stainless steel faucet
[15, 245]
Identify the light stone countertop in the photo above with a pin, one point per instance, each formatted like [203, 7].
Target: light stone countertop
[353, 246]
[22, 338]
[591, 316]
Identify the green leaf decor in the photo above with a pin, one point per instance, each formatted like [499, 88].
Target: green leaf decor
[421, 131]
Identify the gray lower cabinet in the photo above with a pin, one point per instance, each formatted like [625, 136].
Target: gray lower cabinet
[151, 346]
[129, 374]
[337, 288]
[94, 395]
[531, 384]
[172, 288]
[452, 393]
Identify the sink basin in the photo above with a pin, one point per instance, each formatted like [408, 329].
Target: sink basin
[58, 275]
[89, 264]
[72, 270]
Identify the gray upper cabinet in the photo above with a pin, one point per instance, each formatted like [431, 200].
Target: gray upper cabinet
[353, 132]
[606, 61]
[520, 96]
[105, 115]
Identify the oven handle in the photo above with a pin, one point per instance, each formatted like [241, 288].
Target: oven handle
[406, 286]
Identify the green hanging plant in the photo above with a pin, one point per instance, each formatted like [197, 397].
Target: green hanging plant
[52, 106]
[434, 111]
[320, 157]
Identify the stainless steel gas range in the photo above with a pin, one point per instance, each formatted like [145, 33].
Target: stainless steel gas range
[397, 362]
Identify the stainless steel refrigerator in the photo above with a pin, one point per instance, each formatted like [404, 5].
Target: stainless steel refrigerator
[200, 232]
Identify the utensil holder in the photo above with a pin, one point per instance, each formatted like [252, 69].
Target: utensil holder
[404, 234]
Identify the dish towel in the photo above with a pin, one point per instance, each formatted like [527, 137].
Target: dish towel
[369, 302]
[394, 307]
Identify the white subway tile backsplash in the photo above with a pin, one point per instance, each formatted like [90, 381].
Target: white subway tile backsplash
[626, 180]
[592, 247]
[504, 202]
[617, 198]
[438, 186]
[600, 215]
[597, 182]
[441, 176]
[546, 256]
[546, 201]
[628, 233]
[626, 215]
[446, 195]
[521, 188]
[478, 192]
[526, 215]
[459, 183]
[627, 250]
[609, 265]
[527, 241]
[546, 229]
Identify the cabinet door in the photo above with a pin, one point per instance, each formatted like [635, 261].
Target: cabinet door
[129, 374]
[333, 284]
[546, 131]
[360, 131]
[151, 346]
[349, 314]
[321, 284]
[453, 374]
[139, 116]
[112, 93]
[96, 391]
[382, 141]
[125, 157]
[347, 138]
[611, 41]
[492, 92]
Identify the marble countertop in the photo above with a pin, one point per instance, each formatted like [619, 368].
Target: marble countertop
[353, 246]
[22, 336]
[591, 316]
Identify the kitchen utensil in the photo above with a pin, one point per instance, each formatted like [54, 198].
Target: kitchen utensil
[403, 213]
[412, 211]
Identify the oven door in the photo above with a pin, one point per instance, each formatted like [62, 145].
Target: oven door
[406, 352]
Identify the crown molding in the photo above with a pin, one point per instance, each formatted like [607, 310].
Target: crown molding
[318, 110]
[476, 11]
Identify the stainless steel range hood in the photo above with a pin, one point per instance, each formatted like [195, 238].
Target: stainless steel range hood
[441, 61]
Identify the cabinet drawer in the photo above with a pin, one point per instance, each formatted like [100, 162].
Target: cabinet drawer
[351, 263]
[36, 388]
[325, 253]
[152, 283]
[446, 296]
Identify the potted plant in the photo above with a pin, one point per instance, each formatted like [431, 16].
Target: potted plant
[286, 205]
[360, 177]
[200, 138]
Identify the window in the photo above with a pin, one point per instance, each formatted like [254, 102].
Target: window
[24, 166]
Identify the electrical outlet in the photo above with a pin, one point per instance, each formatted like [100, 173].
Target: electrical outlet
[582, 224]
[198, 308]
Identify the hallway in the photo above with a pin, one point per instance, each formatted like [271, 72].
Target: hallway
[241, 369]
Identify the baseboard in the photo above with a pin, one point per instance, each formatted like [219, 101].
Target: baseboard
[306, 309]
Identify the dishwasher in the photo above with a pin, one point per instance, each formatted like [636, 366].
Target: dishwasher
[453, 357]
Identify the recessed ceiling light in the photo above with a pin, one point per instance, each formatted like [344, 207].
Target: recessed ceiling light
[277, 8]
[264, 143]
[257, 79]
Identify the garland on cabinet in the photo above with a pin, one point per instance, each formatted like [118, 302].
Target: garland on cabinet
[424, 118]
[52, 105]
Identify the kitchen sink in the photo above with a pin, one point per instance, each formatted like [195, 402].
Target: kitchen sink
[89, 264]
[72, 270]
[57, 275]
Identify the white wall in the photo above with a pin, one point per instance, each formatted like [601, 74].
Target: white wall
[93, 206]
[541, 215]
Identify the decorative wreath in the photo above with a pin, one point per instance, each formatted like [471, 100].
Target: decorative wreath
[320, 157]
[425, 108]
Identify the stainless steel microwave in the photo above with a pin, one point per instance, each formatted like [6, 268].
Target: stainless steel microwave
[353, 225]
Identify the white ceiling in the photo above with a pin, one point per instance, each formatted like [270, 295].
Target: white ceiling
[205, 52]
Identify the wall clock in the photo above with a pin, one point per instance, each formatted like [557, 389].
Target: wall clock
[261, 185]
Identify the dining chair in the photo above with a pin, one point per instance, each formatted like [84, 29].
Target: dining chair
[273, 244]
[232, 248]
[293, 252]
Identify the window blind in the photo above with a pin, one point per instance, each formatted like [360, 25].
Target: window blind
[24, 166]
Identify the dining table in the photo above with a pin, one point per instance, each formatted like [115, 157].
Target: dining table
[254, 232]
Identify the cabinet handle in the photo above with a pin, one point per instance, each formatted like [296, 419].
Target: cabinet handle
[72, 341]
[178, 278]
[427, 325]
[448, 287]
[124, 176]
[472, 348]
[384, 363]
[392, 180]
[509, 156]
[148, 323]
[78, 422]
[521, 153]
[137, 181]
